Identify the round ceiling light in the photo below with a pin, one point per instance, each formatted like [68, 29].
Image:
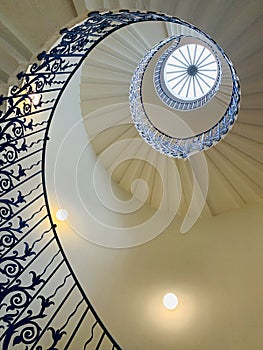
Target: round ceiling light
[170, 301]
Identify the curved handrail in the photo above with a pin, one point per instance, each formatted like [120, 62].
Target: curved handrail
[185, 146]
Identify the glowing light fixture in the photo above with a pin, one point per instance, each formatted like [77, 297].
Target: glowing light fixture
[62, 214]
[170, 301]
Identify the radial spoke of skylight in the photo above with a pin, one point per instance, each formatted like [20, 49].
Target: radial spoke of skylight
[178, 76]
[200, 54]
[188, 88]
[194, 53]
[207, 64]
[176, 71]
[177, 59]
[207, 70]
[183, 55]
[181, 81]
[184, 84]
[199, 85]
[194, 87]
[204, 59]
[205, 75]
[203, 80]
[189, 55]
[175, 65]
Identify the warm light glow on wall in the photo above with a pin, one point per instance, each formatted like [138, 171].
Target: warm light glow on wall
[170, 301]
[62, 214]
[35, 98]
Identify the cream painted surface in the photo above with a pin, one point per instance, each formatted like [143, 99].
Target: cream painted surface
[216, 269]
[99, 210]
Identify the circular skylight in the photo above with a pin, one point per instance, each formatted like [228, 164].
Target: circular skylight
[187, 74]
[190, 72]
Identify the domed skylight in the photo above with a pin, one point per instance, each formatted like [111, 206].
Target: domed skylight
[190, 72]
[187, 72]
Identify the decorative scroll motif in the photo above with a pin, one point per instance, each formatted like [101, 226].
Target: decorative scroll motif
[32, 260]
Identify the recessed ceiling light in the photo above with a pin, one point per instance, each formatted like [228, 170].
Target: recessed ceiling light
[170, 301]
[62, 214]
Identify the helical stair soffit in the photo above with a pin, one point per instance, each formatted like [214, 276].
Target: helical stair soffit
[234, 171]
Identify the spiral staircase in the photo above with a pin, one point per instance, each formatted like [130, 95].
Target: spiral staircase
[234, 172]
[235, 165]
[235, 168]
